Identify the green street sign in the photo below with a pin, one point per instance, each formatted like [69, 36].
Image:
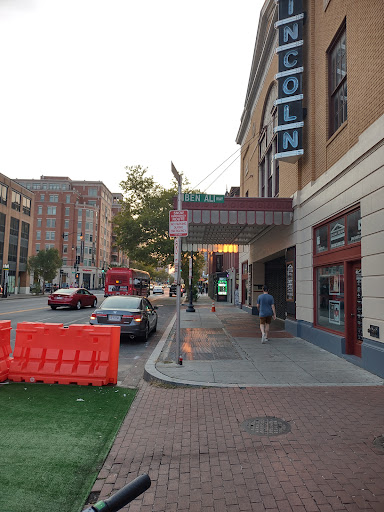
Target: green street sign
[202, 198]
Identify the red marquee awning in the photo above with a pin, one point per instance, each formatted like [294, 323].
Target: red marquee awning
[237, 221]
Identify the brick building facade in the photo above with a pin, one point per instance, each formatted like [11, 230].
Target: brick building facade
[326, 268]
[74, 217]
[16, 228]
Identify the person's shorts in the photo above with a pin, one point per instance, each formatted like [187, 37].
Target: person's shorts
[265, 319]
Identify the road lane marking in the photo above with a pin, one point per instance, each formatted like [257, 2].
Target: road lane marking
[22, 311]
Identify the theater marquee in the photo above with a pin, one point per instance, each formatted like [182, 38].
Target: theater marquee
[290, 81]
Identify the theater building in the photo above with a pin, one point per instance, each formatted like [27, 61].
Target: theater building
[312, 131]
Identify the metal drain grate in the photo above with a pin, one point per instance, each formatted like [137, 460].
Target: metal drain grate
[266, 426]
[379, 442]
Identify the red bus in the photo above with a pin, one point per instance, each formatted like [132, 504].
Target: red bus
[126, 281]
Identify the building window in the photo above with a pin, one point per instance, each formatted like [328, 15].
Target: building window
[92, 192]
[13, 239]
[49, 235]
[54, 186]
[42, 197]
[67, 212]
[27, 206]
[51, 223]
[65, 236]
[92, 203]
[80, 214]
[66, 224]
[37, 247]
[330, 297]
[337, 73]
[24, 242]
[39, 210]
[53, 198]
[16, 201]
[65, 249]
[65, 262]
[268, 166]
[38, 235]
[38, 223]
[339, 233]
[51, 210]
[67, 198]
[49, 246]
[3, 194]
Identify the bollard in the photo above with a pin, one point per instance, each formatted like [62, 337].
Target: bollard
[213, 309]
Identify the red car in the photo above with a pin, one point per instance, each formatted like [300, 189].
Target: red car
[75, 298]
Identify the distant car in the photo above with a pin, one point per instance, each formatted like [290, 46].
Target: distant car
[158, 289]
[173, 290]
[133, 314]
[75, 298]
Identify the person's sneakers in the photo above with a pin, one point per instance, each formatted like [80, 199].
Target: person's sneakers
[263, 339]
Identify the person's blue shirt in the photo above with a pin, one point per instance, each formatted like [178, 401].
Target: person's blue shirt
[265, 301]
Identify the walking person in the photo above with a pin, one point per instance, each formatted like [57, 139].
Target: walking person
[267, 311]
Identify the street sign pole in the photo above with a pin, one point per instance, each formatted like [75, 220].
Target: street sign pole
[178, 266]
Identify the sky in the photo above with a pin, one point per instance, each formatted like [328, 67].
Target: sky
[90, 87]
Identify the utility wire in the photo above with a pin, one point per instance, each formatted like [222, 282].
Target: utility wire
[222, 163]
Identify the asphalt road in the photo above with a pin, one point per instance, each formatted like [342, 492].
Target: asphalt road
[133, 353]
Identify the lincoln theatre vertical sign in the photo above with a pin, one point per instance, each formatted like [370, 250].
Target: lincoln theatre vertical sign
[290, 80]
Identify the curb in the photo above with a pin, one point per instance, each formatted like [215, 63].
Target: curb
[153, 375]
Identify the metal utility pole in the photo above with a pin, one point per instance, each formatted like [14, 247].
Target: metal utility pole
[177, 242]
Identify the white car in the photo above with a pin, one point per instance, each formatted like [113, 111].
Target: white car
[158, 289]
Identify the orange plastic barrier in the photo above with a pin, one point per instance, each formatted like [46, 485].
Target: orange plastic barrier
[78, 354]
[5, 348]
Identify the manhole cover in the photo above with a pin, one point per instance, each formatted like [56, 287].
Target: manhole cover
[379, 442]
[266, 426]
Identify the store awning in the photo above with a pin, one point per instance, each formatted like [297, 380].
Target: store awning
[236, 221]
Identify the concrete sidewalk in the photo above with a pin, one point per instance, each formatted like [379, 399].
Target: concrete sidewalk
[223, 349]
[240, 426]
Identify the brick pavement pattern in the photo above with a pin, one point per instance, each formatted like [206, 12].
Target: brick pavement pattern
[191, 443]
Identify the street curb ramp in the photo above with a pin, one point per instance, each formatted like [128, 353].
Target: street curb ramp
[53, 354]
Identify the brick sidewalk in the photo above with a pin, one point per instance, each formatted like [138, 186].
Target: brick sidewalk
[192, 444]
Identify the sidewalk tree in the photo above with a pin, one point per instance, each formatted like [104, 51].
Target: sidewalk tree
[45, 265]
[142, 224]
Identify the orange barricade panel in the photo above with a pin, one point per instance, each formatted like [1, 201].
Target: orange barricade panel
[79, 354]
[5, 349]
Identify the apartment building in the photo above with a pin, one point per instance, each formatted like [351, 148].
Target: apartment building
[16, 228]
[118, 257]
[74, 217]
[312, 130]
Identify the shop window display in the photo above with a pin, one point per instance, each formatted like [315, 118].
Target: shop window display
[330, 297]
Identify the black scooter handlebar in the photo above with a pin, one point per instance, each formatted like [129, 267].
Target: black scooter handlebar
[124, 496]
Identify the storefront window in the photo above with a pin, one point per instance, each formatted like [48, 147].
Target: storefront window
[321, 239]
[337, 230]
[330, 297]
[354, 227]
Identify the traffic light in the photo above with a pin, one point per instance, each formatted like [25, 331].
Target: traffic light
[77, 276]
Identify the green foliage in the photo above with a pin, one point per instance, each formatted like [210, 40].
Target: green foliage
[45, 265]
[142, 225]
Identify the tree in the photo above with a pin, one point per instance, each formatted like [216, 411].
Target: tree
[142, 225]
[45, 265]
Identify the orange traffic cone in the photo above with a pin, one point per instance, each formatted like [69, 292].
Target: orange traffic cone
[213, 309]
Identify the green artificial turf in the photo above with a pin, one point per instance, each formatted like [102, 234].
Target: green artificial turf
[53, 441]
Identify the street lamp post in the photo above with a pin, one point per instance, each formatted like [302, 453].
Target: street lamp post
[190, 308]
[177, 242]
[77, 260]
